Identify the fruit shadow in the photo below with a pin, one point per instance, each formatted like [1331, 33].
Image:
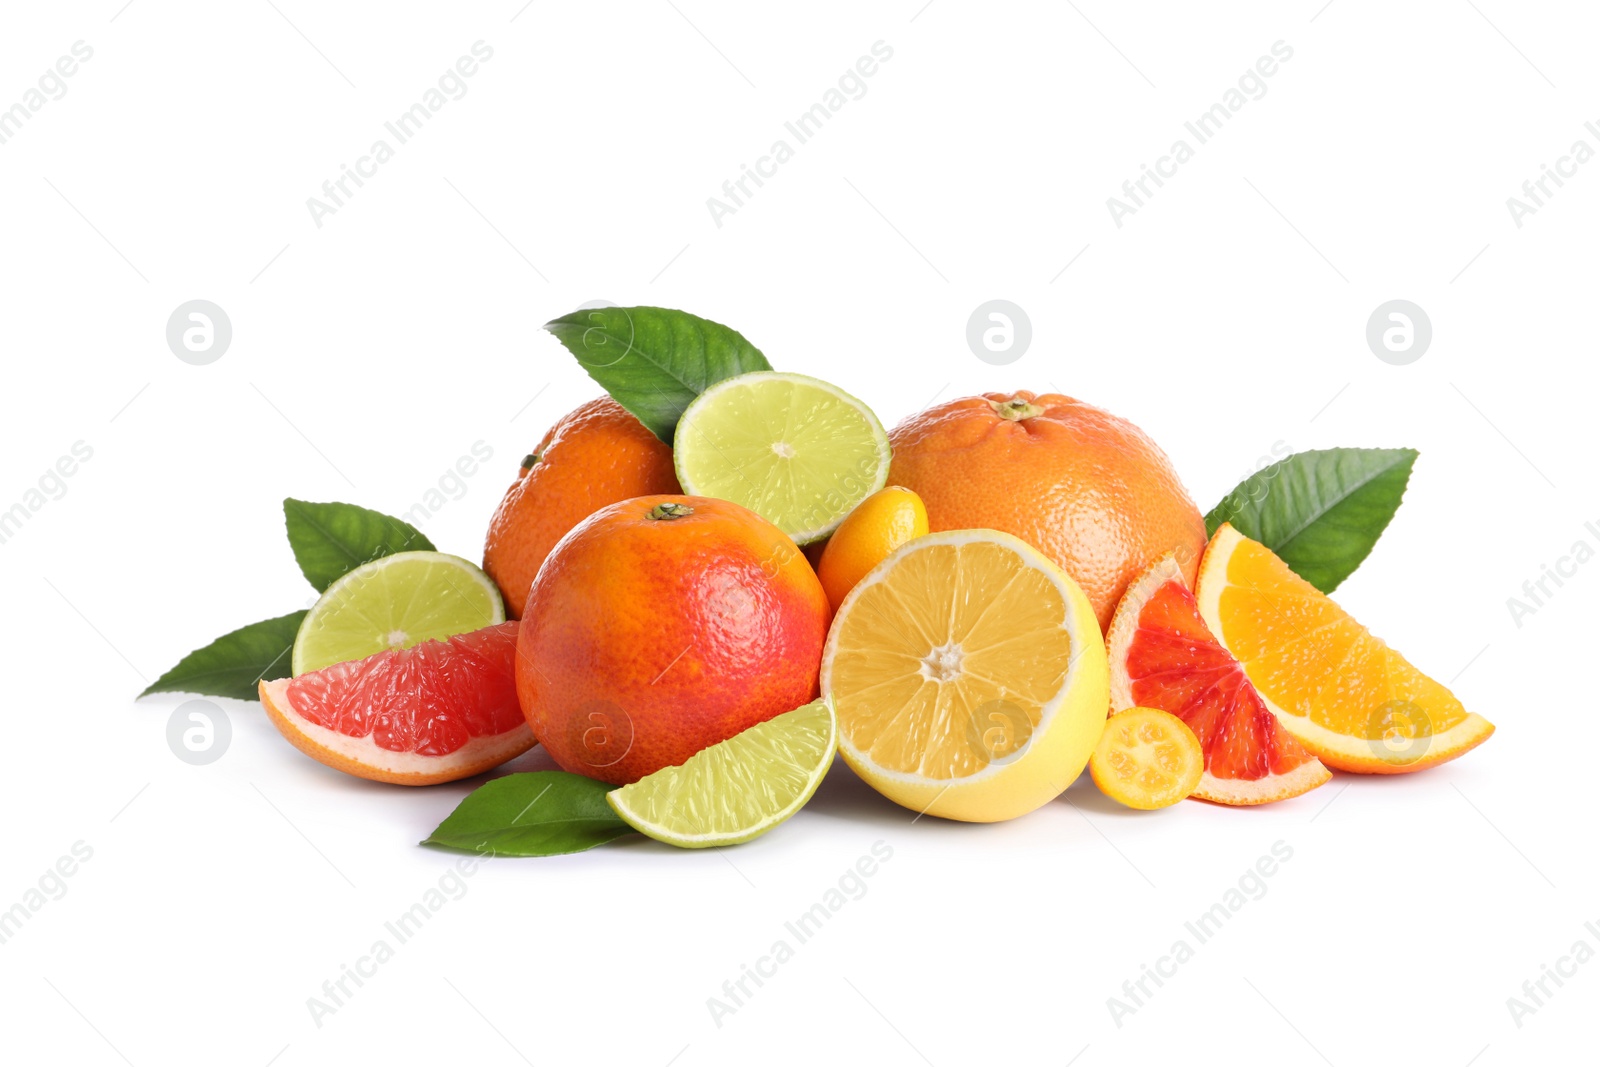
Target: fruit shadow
[1083, 795]
[845, 797]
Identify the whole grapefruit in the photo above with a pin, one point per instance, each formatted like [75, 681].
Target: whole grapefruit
[1088, 489]
[662, 625]
[596, 454]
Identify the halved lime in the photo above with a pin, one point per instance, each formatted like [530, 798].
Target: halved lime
[395, 602]
[797, 451]
[737, 790]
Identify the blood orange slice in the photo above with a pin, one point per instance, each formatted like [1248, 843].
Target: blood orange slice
[1163, 656]
[435, 712]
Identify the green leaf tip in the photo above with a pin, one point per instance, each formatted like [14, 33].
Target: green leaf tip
[1321, 511]
[331, 539]
[654, 361]
[231, 665]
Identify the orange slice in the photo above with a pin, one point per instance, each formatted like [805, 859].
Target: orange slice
[1356, 703]
[1162, 656]
[1147, 759]
[434, 712]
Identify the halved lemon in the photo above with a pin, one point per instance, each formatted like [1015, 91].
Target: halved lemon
[799, 452]
[969, 677]
[1354, 702]
[738, 789]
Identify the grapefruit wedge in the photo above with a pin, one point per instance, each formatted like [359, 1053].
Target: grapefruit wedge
[434, 712]
[1164, 657]
[1346, 696]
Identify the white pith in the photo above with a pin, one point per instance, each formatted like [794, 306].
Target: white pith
[368, 753]
[1243, 792]
[1126, 620]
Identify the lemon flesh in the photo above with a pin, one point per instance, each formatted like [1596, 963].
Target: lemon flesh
[739, 789]
[969, 676]
[395, 602]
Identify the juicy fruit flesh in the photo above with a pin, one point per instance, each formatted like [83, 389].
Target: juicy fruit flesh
[395, 602]
[1313, 660]
[430, 699]
[1174, 663]
[1146, 758]
[736, 789]
[792, 450]
[969, 643]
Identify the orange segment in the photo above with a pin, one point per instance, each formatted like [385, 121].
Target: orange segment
[1345, 695]
[1163, 656]
[1147, 759]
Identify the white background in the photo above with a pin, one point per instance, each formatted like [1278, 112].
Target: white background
[1225, 317]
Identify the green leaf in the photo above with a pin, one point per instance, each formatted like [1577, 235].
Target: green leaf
[1321, 511]
[330, 540]
[654, 361]
[231, 665]
[540, 813]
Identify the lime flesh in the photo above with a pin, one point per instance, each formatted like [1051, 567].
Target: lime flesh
[739, 789]
[795, 450]
[395, 602]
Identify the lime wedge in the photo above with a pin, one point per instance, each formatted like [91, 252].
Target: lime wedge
[797, 451]
[395, 602]
[739, 789]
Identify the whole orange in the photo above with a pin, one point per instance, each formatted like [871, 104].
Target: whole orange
[662, 625]
[596, 454]
[1086, 488]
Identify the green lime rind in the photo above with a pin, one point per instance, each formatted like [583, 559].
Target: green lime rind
[395, 602]
[737, 790]
[798, 451]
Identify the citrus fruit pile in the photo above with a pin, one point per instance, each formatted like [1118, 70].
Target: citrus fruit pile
[701, 586]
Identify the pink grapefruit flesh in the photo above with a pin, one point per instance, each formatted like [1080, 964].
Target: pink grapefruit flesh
[435, 712]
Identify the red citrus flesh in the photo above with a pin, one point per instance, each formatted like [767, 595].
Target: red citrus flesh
[1163, 656]
[435, 712]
